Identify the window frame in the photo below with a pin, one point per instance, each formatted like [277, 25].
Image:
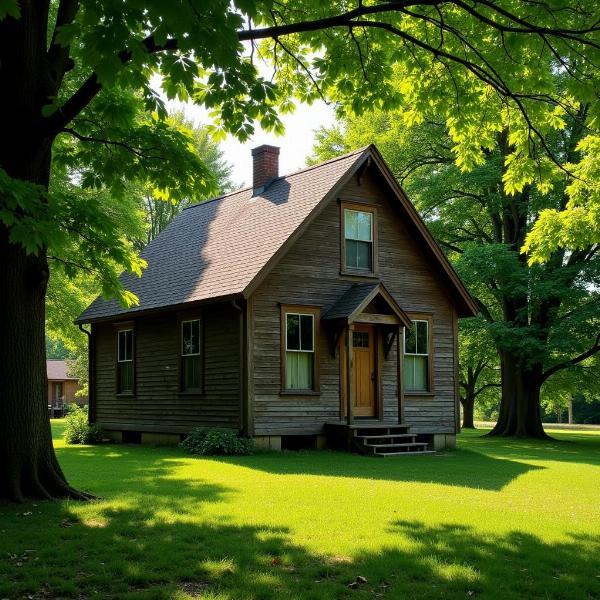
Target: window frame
[199, 390]
[427, 318]
[119, 329]
[315, 313]
[366, 208]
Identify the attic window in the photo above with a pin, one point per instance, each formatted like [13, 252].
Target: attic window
[359, 226]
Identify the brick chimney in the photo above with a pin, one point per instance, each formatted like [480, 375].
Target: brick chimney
[265, 166]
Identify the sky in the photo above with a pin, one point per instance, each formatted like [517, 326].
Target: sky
[296, 144]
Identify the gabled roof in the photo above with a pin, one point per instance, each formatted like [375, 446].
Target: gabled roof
[57, 370]
[217, 248]
[351, 304]
[223, 248]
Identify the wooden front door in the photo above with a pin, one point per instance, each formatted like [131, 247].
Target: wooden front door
[365, 370]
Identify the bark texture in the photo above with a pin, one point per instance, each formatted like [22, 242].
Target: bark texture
[468, 405]
[28, 465]
[520, 413]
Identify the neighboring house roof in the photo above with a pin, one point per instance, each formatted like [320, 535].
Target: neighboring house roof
[356, 299]
[57, 370]
[223, 248]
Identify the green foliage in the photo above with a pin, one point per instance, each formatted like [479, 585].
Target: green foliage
[207, 442]
[78, 430]
[542, 314]
[56, 349]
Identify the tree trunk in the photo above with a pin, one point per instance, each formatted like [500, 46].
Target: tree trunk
[468, 404]
[28, 465]
[520, 414]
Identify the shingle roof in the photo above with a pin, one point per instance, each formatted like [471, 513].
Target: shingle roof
[57, 370]
[350, 301]
[217, 248]
[354, 300]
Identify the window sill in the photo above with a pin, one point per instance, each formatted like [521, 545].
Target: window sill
[362, 274]
[125, 395]
[299, 393]
[191, 393]
[419, 394]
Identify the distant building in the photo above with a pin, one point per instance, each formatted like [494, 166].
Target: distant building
[61, 387]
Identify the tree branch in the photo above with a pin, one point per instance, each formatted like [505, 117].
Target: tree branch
[58, 56]
[574, 361]
[86, 138]
[58, 120]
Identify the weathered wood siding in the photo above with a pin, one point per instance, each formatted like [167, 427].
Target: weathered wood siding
[157, 404]
[310, 274]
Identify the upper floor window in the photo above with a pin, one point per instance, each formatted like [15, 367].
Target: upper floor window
[191, 366]
[359, 240]
[125, 361]
[299, 345]
[416, 357]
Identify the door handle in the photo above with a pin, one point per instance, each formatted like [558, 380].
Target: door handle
[373, 376]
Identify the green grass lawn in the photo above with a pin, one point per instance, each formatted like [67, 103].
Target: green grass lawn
[494, 519]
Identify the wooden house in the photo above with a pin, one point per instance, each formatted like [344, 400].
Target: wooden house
[61, 387]
[309, 305]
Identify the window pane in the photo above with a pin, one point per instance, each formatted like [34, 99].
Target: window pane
[420, 381]
[351, 224]
[351, 254]
[191, 372]
[364, 226]
[360, 339]
[306, 332]
[415, 373]
[293, 331]
[128, 345]
[125, 374]
[299, 370]
[409, 373]
[422, 337]
[363, 255]
[190, 337]
[410, 341]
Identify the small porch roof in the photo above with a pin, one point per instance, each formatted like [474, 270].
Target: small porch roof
[353, 302]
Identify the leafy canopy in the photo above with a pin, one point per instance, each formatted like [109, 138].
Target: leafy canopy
[476, 64]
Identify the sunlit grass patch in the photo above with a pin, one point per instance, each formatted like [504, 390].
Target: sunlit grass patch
[495, 519]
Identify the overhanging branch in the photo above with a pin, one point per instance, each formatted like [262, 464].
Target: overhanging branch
[574, 361]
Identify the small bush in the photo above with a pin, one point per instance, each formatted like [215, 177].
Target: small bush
[72, 407]
[78, 430]
[208, 442]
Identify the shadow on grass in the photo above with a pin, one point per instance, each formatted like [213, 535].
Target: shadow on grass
[131, 553]
[463, 468]
[579, 447]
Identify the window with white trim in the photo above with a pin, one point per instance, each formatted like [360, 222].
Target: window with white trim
[299, 351]
[191, 363]
[358, 239]
[125, 361]
[416, 357]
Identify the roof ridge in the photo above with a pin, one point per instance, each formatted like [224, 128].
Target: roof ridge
[292, 174]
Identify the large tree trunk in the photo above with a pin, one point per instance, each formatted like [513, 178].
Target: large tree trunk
[28, 465]
[468, 405]
[520, 414]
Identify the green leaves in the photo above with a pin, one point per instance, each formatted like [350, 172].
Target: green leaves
[9, 8]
